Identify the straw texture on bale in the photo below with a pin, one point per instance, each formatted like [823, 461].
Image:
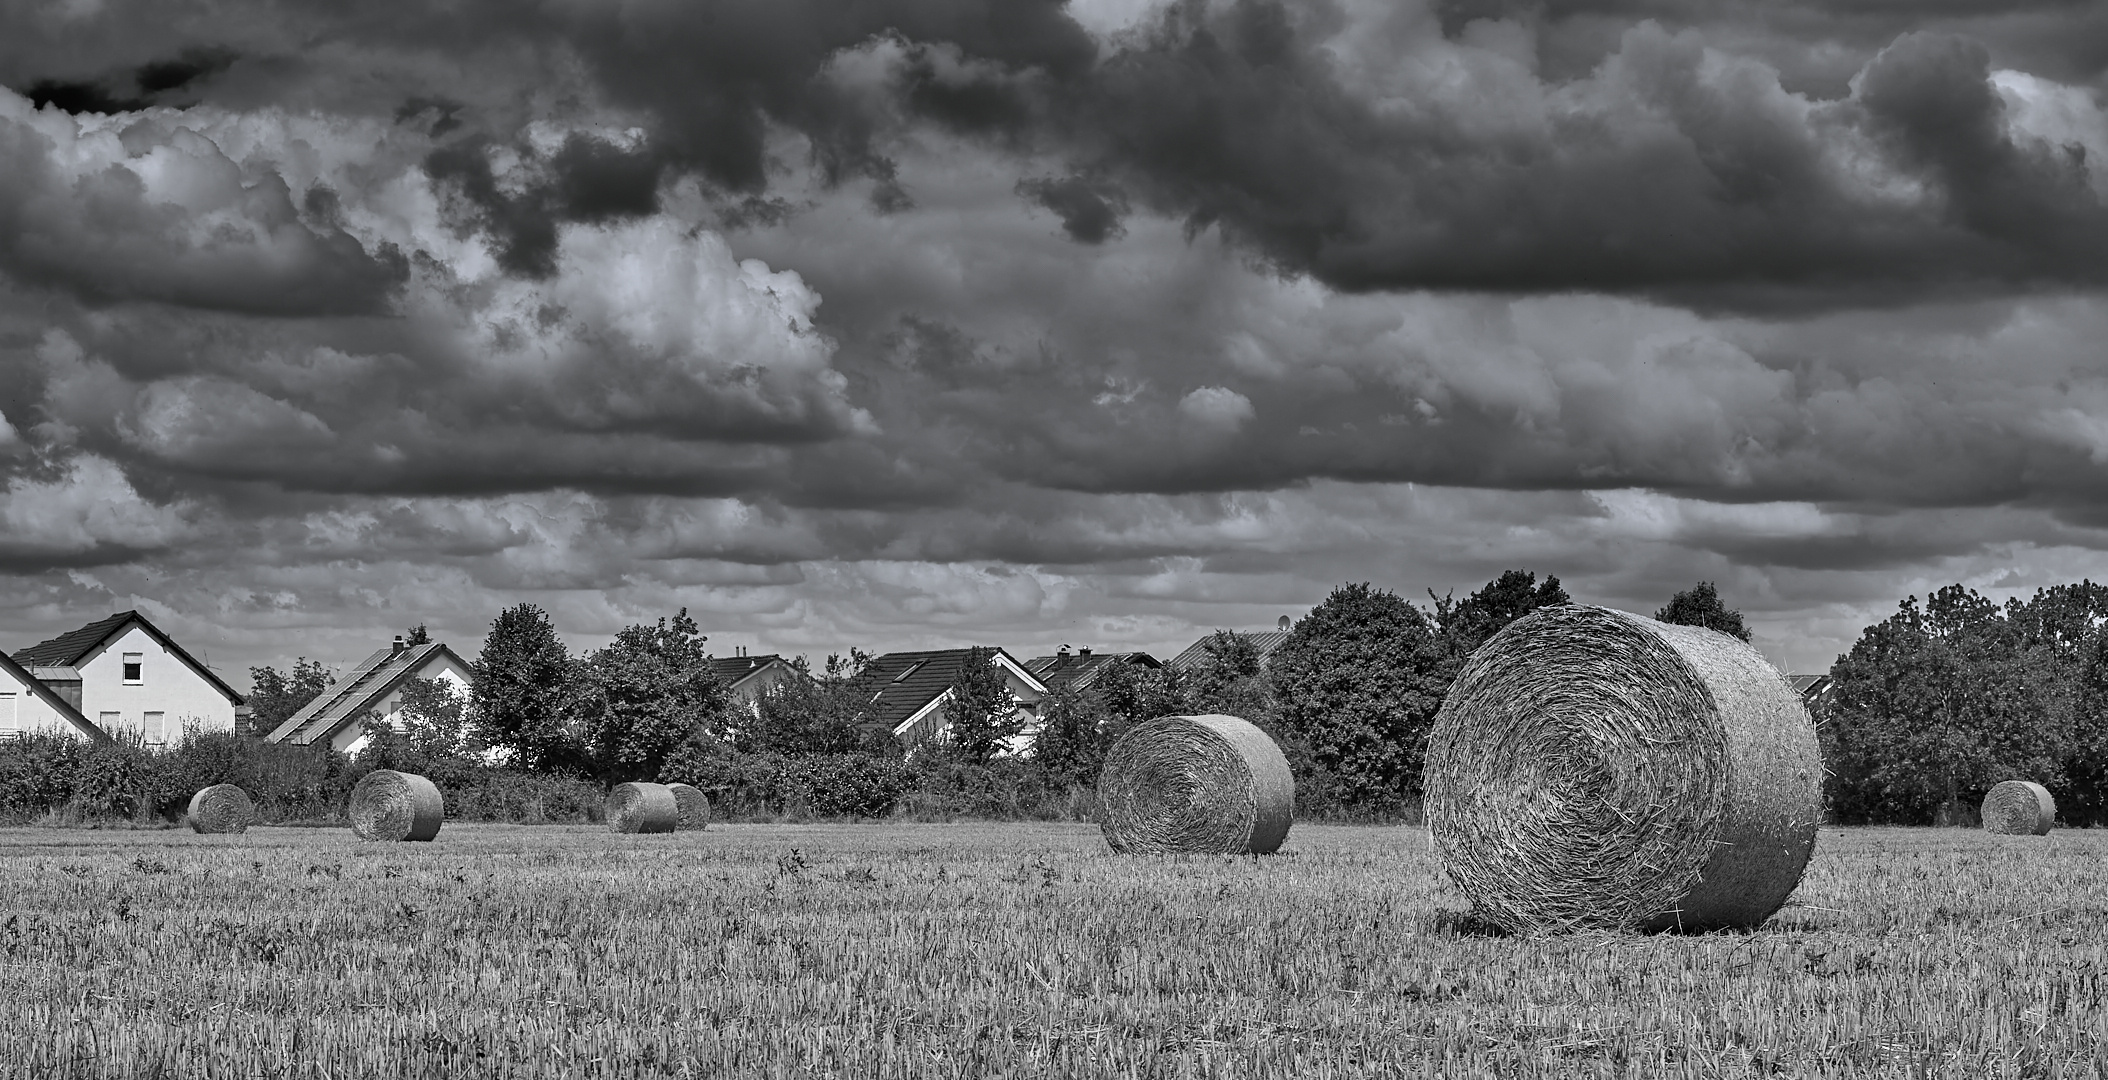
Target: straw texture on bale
[2019, 808]
[1209, 784]
[221, 808]
[390, 805]
[694, 806]
[643, 808]
[1592, 769]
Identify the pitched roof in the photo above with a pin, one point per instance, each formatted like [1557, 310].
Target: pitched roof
[68, 649]
[351, 696]
[731, 670]
[49, 697]
[1080, 670]
[904, 683]
[1266, 641]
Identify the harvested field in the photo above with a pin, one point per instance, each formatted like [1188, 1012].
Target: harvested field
[979, 950]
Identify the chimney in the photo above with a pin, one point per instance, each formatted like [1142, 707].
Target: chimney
[399, 647]
[1062, 652]
[1083, 653]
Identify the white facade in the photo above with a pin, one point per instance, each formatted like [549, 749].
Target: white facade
[441, 665]
[23, 711]
[130, 683]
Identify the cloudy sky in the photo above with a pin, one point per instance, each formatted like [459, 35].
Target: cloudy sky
[910, 323]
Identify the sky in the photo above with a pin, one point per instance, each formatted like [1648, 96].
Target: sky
[906, 324]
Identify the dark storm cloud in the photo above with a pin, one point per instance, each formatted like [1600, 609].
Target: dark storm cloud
[1090, 210]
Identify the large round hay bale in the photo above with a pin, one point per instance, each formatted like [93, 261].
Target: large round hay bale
[643, 808]
[2019, 808]
[1591, 769]
[221, 808]
[1203, 784]
[390, 805]
[694, 806]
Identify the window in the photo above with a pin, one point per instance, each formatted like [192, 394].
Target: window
[132, 666]
[156, 728]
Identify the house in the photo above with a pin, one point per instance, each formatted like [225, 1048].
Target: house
[908, 691]
[1082, 668]
[374, 687]
[746, 678]
[29, 707]
[122, 674]
[1813, 689]
[1266, 641]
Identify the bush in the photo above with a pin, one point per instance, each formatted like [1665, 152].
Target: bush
[796, 786]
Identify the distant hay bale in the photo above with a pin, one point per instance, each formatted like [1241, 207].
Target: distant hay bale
[2019, 808]
[1199, 784]
[390, 805]
[694, 806]
[221, 808]
[643, 808]
[1591, 769]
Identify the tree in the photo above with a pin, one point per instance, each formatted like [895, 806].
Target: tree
[814, 714]
[1359, 681]
[1473, 621]
[521, 692]
[980, 716]
[1074, 735]
[1700, 605]
[1934, 705]
[275, 696]
[1231, 678]
[647, 692]
[417, 635]
[433, 717]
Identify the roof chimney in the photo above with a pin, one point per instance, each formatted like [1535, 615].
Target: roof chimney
[399, 647]
[1062, 652]
[1083, 652]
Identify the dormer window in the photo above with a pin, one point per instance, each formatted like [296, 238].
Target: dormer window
[132, 666]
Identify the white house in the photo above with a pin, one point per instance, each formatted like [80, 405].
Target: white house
[124, 675]
[746, 678]
[908, 691]
[27, 706]
[375, 687]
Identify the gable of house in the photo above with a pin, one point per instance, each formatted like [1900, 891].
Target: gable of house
[748, 677]
[124, 673]
[907, 690]
[1196, 654]
[1080, 670]
[374, 686]
[28, 706]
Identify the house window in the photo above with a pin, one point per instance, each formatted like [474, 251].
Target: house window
[132, 667]
[156, 728]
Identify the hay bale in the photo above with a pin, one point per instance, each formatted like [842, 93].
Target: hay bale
[390, 805]
[1591, 769]
[2019, 808]
[694, 806]
[643, 808]
[221, 808]
[1201, 784]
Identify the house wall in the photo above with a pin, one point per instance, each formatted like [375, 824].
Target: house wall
[22, 712]
[167, 685]
[352, 738]
[750, 689]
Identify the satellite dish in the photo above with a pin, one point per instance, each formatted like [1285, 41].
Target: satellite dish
[1283, 623]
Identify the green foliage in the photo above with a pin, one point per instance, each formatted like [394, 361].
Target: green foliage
[808, 714]
[433, 717]
[1076, 729]
[1358, 683]
[520, 696]
[417, 635]
[1468, 624]
[274, 696]
[796, 786]
[646, 693]
[1229, 679]
[980, 716]
[1934, 705]
[1700, 605]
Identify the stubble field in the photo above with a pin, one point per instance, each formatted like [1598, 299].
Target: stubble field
[1007, 950]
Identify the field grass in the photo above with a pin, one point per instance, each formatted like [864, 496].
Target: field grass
[1007, 950]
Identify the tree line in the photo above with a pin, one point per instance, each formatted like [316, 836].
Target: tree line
[1928, 709]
